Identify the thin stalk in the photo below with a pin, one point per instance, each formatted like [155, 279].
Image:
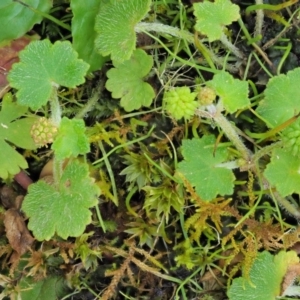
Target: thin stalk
[161, 169]
[270, 6]
[127, 202]
[45, 15]
[100, 218]
[284, 57]
[205, 52]
[110, 173]
[273, 131]
[123, 145]
[91, 102]
[185, 35]
[253, 44]
[185, 62]
[262, 65]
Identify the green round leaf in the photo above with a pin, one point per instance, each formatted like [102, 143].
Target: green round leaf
[281, 100]
[115, 27]
[265, 279]
[71, 140]
[201, 168]
[283, 172]
[213, 16]
[232, 92]
[49, 288]
[44, 66]
[17, 19]
[64, 209]
[125, 81]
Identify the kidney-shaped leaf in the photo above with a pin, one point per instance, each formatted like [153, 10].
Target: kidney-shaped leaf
[281, 100]
[71, 139]
[63, 209]
[201, 167]
[17, 19]
[125, 81]
[232, 92]
[284, 172]
[266, 276]
[213, 16]
[42, 67]
[115, 27]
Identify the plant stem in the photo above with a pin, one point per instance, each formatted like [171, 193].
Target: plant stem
[231, 47]
[266, 150]
[127, 202]
[57, 170]
[91, 102]
[233, 136]
[184, 62]
[124, 145]
[100, 218]
[252, 43]
[183, 34]
[228, 129]
[205, 52]
[259, 21]
[55, 107]
[270, 6]
[166, 29]
[288, 206]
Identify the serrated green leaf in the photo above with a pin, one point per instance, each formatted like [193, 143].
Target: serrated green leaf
[47, 289]
[213, 16]
[83, 32]
[283, 172]
[63, 209]
[18, 19]
[71, 139]
[125, 81]
[265, 275]
[16, 131]
[232, 92]
[115, 27]
[201, 168]
[281, 100]
[44, 66]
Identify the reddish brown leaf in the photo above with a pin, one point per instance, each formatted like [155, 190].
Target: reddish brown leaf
[9, 55]
[16, 231]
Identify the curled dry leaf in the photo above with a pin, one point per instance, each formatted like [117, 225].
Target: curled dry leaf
[8, 197]
[16, 231]
[292, 273]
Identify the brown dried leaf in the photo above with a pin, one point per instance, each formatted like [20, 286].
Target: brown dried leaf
[9, 55]
[16, 231]
[293, 271]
